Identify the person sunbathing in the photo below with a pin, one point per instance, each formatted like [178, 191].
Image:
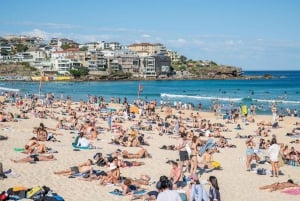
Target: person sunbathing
[112, 177]
[122, 163]
[142, 153]
[81, 168]
[34, 158]
[279, 186]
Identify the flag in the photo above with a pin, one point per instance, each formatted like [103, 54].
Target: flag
[140, 89]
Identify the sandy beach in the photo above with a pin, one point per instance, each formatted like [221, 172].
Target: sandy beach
[235, 182]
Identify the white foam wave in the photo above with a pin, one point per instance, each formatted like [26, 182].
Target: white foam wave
[200, 97]
[277, 101]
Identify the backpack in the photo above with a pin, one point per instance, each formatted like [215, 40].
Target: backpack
[17, 192]
[35, 192]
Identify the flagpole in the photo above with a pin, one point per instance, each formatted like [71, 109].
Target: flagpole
[139, 92]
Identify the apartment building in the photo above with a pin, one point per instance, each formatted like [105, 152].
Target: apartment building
[147, 49]
[156, 66]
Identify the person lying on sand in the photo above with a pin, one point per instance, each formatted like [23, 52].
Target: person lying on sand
[123, 163]
[112, 177]
[81, 168]
[34, 158]
[279, 186]
[142, 153]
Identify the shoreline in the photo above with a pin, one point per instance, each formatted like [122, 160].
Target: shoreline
[261, 77]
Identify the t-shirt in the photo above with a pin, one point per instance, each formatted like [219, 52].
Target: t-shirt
[274, 152]
[169, 195]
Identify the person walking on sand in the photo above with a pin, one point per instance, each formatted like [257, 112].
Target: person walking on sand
[274, 154]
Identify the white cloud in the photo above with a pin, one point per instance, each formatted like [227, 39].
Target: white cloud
[48, 25]
[146, 36]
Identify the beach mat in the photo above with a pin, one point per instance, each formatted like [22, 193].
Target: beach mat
[120, 193]
[293, 191]
[77, 147]
[19, 149]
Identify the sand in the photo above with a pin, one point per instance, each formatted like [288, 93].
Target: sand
[235, 182]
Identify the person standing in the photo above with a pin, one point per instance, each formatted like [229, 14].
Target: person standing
[183, 153]
[214, 193]
[2, 175]
[274, 154]
[109, 121]
[165, 193]
[197, 193]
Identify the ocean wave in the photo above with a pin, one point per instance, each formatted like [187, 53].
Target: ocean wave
[200, 97]
[277, 101]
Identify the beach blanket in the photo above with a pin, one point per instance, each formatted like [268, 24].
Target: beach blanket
[120, 193]
[209, 144]
[19, 149]
[293, 191]
[77, 147]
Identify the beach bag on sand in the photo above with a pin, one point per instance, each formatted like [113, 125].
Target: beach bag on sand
[216, 164]
[17, 192]
[35, 192]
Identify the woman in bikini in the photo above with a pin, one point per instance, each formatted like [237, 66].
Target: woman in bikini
[194, 153]
[142, 153]
[249, 152]
[279, 186]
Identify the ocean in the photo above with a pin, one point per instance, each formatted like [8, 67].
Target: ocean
[283, 90]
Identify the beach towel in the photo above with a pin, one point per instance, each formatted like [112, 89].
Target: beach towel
[19, 149]
[293, 191]
[209, 144]
[77, 147]
[120, 193]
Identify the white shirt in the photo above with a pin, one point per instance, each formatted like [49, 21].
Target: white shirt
[168, 195]
[83, 142]
[274, 152]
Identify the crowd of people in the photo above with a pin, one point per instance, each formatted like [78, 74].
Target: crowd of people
[198, 139]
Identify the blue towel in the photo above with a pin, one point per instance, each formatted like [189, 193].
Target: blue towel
[120, 193]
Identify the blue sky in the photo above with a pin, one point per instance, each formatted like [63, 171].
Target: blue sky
[253, 34]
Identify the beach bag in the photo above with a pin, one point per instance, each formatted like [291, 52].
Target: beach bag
[17, 192]
[216, 164]
[35, 192]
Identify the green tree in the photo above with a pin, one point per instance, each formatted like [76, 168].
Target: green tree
[81, 71]
[84, 48]
[65, 46]
[183, 59]
[21, 47]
